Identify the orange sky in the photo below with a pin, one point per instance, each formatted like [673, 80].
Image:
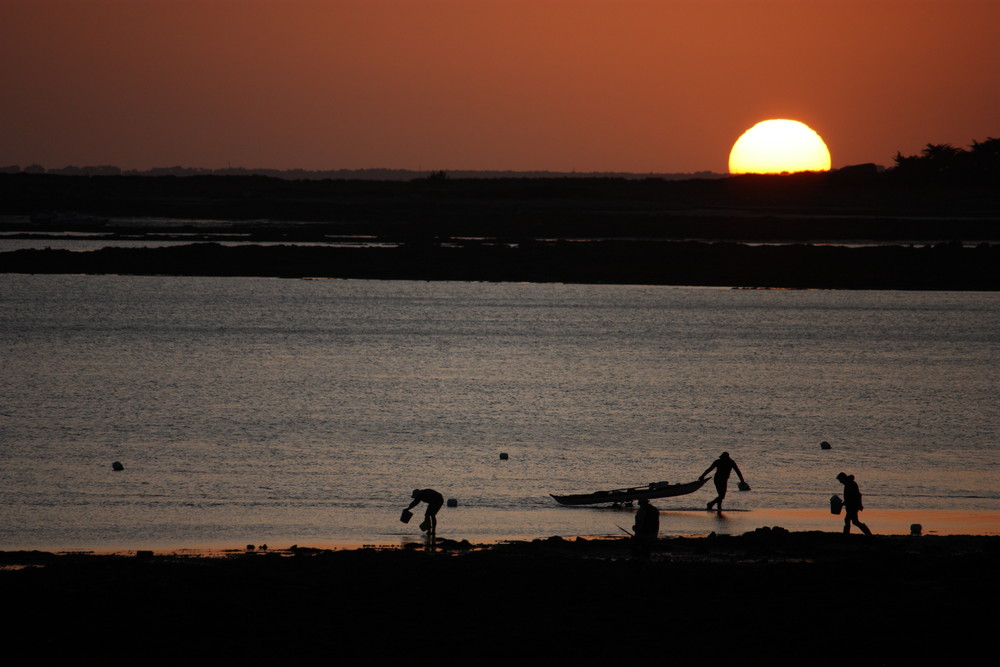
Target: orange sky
[585, 85]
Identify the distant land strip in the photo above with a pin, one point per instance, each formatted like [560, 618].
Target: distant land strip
[942, 266]
[937, 234]
[518, 206]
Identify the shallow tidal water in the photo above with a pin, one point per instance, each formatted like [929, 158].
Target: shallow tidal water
[256, 410]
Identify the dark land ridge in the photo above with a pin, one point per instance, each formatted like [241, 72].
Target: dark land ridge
[851, 228]
[768, 597]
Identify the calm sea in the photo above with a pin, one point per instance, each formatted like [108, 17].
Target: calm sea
[250, 410]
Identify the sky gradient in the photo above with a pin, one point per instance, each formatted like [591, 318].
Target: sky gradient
[565, 85]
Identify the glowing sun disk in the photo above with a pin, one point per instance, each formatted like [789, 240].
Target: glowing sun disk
[777, 146]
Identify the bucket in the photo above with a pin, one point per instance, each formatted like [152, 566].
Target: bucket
[836, 504]
[406, 516]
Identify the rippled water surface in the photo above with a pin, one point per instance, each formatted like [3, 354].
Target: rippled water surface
[248, 410]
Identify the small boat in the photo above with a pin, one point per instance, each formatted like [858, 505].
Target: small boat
[630, 494]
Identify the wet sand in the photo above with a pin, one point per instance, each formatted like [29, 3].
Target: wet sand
[492, 526]
[883, 522]
[767, 597]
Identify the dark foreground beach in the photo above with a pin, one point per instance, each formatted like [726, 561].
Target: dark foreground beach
[766, 597]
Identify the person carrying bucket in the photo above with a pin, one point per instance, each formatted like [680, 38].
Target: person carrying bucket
[852, 503]
[722, 467]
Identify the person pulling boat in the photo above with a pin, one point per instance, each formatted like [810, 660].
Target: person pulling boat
[723, 466]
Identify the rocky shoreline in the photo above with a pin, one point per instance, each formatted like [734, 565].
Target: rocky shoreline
[766, 597]
[945, 266]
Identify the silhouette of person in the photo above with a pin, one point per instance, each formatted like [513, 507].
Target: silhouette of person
[434, 502]
[723, 466]
[646, 528]
[852, 504]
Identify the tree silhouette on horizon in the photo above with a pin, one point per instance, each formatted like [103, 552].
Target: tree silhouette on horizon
[944, 163]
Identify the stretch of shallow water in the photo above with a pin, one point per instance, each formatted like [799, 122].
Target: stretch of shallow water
[261, 410]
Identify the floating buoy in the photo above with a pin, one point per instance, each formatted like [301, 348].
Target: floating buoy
[825, 445]
[452, 502]
[117, 465]
[503, 456]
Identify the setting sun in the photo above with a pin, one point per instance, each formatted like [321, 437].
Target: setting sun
[778, 146]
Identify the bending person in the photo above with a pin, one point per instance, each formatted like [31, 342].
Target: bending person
[646, 529]
[722, 466]
[434, 502]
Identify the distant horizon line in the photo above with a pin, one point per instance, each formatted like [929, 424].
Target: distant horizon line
[369, 173]
[373, 173]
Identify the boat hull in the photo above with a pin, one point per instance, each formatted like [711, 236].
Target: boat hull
[630, 494]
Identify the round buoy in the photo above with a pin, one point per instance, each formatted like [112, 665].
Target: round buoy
[503, 456]
[117, 465]
[825, 445]
[452, 502]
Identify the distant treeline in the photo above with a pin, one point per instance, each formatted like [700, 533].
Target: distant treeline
[944, 163]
